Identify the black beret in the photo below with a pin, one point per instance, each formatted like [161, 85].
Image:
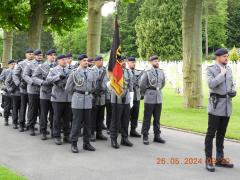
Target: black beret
[221, 52]
[131, 58]
[69, 55]
[19, 60]
[82, 56]
[37, 52]
[10, 61]
[122, 57]
[98, 58]
[61, 56]
[152, 58]
[90, 59]
[51, 51]
[29, 50]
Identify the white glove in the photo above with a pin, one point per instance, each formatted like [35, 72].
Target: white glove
[109, 85]
[131, 99]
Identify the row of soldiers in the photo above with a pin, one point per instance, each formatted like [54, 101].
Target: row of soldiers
[74, 97]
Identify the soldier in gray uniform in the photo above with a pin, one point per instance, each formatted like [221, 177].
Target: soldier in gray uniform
[15, 96]
[20, 82]
[69, 61]
[81, 84]
[137, 96]
[121, 109]
[61, 100]
[6, 94]
[152, 82]
[39, 77]
[33, 91]
[222, 90]
[98, 108]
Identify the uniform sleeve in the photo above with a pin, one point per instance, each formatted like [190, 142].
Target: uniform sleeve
[37, 76]
[70, 84]
[17, 75]
[143, 82]
[212, 81]
[8, 81]
[52, 77]
[131, 81]
[3, 75]
[27, 75]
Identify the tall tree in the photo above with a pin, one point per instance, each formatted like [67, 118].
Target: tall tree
[192, 52]
[107, 31]
[128, 13]
[233, 24]
[158, 29]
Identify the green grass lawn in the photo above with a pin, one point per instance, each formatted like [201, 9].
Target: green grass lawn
[174, 115]
[6, 174]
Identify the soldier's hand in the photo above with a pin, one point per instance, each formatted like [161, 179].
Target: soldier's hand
[223, 70]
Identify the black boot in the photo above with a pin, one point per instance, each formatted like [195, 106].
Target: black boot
[134, 133]
[145, 140]
[74, 147]
[44, 136]
[6, 122]
[66, 140]
[209, 164]
[88, 147]
[58, 141]
[100, 136]
[222, 162]
[126, 142]
[15, 126]
[158, 139]
[114, 143]
[32, 132]
[21, 128]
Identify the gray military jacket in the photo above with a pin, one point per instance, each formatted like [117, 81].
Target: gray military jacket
[220, 84]
[3, 77]
[101, 85]
[40, 76]
[128, 87]
[152, 82]
[81, 84]
[32, 87]
[18, 75]
[10, 85]
[136, 83]
[59, 94]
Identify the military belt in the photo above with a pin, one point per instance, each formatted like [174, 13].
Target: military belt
[218, 95]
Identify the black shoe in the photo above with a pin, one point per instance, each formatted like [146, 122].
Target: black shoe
[66, 140]
[126, 142]
[74, 148]
[32, 132]
[158, 139]
[100, 136]
[58, 141]
[44, 137]
[209, 165]
[21, 129]
[15, 126]
[145, 140]
[88, 147]
[134, 133]
[224, 163]
[6, 122]
[92, 138]
[114, 143]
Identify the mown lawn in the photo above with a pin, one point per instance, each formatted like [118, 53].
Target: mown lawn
[174, 115]
[6, 174]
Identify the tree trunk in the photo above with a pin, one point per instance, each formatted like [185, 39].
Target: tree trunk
[206, 29]
[94, 27]
[36, 19]
[7, 47]
[192, 53]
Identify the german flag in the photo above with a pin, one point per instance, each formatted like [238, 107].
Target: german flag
[115, 69]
